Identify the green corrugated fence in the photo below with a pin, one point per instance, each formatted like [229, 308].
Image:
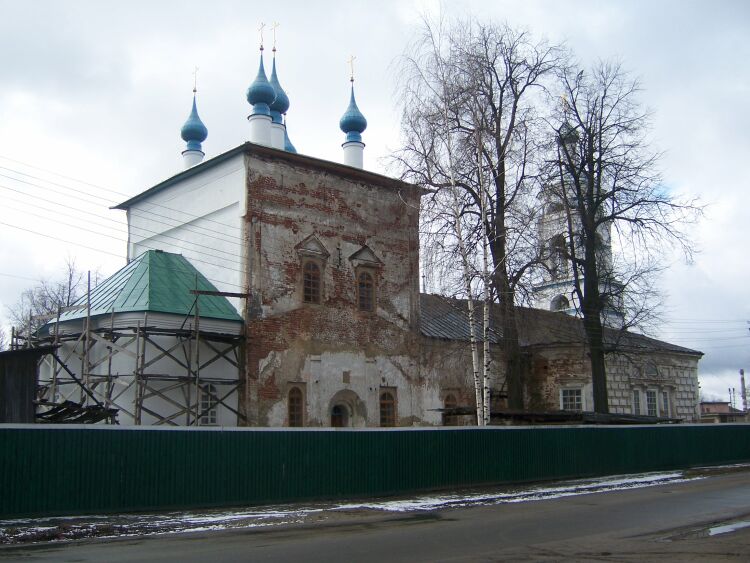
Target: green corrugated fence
[64, 470]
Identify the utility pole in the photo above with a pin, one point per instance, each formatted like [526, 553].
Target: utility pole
[743, 390]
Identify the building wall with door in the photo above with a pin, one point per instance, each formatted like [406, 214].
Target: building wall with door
[333, 312]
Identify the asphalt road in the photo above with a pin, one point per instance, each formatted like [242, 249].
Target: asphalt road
[663, 523]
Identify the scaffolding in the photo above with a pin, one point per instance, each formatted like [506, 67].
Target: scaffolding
[187, 395]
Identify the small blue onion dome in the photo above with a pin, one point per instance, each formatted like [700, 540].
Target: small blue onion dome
[261, 93]
[194, 132]
[353, 123]
[288, 146]
[280, 104]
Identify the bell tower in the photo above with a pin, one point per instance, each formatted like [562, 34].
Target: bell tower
[558, 228]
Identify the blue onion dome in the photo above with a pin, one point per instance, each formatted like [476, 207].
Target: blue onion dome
[261, 93]
[280, 104]
[288, 146]
[353, 123]
[194, 132]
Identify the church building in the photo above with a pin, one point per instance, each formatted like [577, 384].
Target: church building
[265, 287]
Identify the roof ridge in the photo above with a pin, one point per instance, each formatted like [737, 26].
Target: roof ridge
[147, 259]
[536, 326]
[159, 282]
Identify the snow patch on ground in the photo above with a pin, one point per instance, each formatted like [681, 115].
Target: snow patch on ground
[70, 528]
[571, 488]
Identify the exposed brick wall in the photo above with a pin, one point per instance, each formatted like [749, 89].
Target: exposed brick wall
[286, 204]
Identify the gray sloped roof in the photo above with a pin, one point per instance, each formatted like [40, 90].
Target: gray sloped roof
[446, 318]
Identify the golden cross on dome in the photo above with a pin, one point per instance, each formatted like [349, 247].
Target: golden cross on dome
[195, 80]
[351, 67]
[260, 30]
[273, 29]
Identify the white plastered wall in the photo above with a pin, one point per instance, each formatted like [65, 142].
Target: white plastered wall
[332, 375]
[123, 364]
[199, 217]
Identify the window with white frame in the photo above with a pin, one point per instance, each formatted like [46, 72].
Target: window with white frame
[208, 404]
[571, 399]
[651, 406]
[665, 403]
[636, 401]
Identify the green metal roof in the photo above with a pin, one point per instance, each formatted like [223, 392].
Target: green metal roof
[158, 282]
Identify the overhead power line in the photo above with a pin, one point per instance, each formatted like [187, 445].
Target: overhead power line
[110, 201]
[691, 321]
[4, 274]
[169, 221]
[102, 251]
[165, 220]
[119, 226]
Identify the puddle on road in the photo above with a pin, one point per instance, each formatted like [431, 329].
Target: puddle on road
[728, 528]
[714, 530]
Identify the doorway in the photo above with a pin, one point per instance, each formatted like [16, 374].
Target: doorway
[339, 416]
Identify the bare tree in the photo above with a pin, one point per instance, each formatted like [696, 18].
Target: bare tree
[618, 215]
[41, 302]
[477, 83]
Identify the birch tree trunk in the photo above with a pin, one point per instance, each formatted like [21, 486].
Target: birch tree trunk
[479, 384]
[463, 251]
[487, 294]
[466, 276]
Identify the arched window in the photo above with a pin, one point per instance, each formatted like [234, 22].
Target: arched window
[449, 403]
[387, 409]
[559, 303]
[311, 282]
[557, 255]
[365, 292]
[555, 206]
[296, 407]
[208, 403]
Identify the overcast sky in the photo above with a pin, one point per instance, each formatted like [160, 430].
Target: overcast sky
[93, 95]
